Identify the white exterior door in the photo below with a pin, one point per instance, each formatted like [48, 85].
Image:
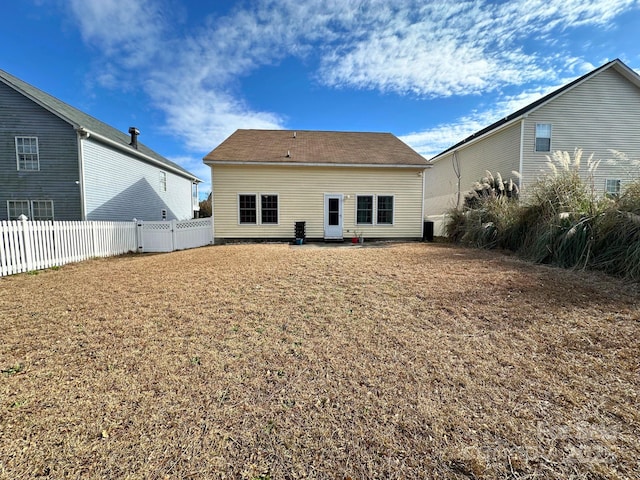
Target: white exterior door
[333, 216]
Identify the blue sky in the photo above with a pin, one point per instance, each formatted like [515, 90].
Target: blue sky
[189, 73]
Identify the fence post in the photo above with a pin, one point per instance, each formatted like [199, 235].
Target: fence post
[26, 237]
[174, 241]
[139, 235]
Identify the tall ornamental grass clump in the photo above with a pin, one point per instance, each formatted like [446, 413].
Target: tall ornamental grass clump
[487, 213]
[563, 221]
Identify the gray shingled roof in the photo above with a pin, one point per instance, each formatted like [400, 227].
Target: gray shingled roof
[307, 147]
[78, 118]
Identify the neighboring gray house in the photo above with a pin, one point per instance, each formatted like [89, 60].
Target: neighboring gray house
[598, 112]
[58, 163]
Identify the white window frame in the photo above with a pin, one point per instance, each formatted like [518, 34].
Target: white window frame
[259, 209]
[163, 181]
[248, 194]
[536, 137]
[393, 209]
[15, 217]
[373, 208]
[19, 153]
[615, 192]
[33, 210]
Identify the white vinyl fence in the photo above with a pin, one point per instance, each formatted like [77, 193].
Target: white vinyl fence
[27, 245]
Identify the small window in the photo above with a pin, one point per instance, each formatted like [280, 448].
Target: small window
[15, 208]
[364, 209]
[27, 153]
[163, 181]
[42, 209]
[385, 210]
[612, 188]
[247, 209]
[269, 209]
[543, 137]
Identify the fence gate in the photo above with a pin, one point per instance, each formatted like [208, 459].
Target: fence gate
[174, 235]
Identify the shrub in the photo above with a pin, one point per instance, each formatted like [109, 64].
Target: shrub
[563, 221]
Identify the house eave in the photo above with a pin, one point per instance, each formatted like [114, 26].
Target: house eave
[318, 164]
[85, 132]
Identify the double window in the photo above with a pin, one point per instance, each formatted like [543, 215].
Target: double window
[543, 137]
[27, 155]
[378, 207]
[250, 210]
[33, 210]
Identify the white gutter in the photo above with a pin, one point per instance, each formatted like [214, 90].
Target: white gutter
[133, 151]
[291, 164]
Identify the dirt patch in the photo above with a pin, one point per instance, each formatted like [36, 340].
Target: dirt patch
[266, 361]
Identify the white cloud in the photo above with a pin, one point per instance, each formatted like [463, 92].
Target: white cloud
[429, 49]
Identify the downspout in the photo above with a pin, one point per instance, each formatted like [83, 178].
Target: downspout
[456, 170]
[82, 135]
[213, 217]
[424, 181]
[520, 182]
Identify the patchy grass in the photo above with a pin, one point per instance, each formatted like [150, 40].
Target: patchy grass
[265, 361]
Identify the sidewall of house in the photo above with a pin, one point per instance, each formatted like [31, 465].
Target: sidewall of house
[597, 116]
[301, 192]
[58, 157]
[121, 187]
[498, 153]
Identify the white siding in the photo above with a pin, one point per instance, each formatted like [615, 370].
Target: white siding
[121, 187]
[301, 198]
[600, 115]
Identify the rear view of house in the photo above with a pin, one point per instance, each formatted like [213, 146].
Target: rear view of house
[339, 183]
[598, 113]
[58, 163]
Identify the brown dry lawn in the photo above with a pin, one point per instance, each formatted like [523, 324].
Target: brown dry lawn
[273, 362]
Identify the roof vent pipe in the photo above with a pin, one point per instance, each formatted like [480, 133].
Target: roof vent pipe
[288, 153]
[134, 132]
[294, 134]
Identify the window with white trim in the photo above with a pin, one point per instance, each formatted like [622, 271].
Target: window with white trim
[163, 181]
[27, 156]
[247, 209]
[15, 208]
[364, 209]
[612, 187]
[385, 210]
[269, 209]
[543, 137]
[42, 210]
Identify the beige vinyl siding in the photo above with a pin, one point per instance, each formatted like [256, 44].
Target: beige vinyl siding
[499, 152]
[599, 115]
[301, 190]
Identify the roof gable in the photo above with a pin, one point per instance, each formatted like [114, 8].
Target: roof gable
[78, 119]
[616, 64]
[309, 147]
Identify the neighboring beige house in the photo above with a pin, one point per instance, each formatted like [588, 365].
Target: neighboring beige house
[598, 112]
[338, 183]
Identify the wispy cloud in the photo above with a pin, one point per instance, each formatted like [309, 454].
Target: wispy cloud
[427, 49]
